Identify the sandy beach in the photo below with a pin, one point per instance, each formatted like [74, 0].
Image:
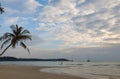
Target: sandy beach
[29, 72]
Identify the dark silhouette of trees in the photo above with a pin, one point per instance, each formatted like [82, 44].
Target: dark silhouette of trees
[18, 36]
[1, 9]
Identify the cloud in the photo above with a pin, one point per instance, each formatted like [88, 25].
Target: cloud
[20, 6]
[110, 53]
[83, 22]
[66, 28]
[31, 5]
[36, 41]
[11, 20]
[21, 12]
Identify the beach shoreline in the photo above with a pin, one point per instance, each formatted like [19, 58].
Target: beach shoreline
[30, 72]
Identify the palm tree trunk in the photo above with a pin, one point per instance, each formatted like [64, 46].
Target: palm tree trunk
[5, 49]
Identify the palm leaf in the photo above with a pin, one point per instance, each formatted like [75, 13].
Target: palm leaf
[24, 37]
[5, 42]
[24, 46]
[25, 32]
[14, 29]
[1, 9]
[6, 36]
[20, 30]
[17, 30]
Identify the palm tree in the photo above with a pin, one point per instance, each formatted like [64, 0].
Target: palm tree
[18, 36]
[1, 9]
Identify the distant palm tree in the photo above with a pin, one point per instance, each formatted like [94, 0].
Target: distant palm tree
[1, 9]
[18, 36]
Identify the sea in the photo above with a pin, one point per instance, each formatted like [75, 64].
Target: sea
[88, 70]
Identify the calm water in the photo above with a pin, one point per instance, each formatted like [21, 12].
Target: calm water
[32, 63]
[91, 70]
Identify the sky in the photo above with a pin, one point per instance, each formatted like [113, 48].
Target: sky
[73, 29]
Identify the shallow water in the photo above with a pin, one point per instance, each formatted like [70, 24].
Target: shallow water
[90, 70]
[31, 63]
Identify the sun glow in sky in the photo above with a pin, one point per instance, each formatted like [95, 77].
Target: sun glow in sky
[66, 27]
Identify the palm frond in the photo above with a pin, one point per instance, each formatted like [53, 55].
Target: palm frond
[24, 46]
[24, 37]
[3, 37]
[10, 34]
[28, 50]
[25, 32]
[1, 9]
[17, 29]
[5, 42]
[6, 36]
[20, 30]
[13, 28]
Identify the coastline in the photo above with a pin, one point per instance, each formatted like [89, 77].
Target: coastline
[30, 72]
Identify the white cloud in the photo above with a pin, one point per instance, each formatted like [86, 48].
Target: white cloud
[95, 53]
[30, 5]
[11, 20]
[21, 21]
[11, 11]
[82, 22]
[21, 6]
[58, 11]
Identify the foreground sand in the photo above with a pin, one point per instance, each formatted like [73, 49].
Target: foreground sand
[28, 72]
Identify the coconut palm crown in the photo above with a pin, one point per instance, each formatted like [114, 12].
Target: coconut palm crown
[18, 36]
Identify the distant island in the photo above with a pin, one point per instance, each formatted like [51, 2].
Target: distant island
[30, 59]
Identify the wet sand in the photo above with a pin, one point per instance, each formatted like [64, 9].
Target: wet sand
[29, 72]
